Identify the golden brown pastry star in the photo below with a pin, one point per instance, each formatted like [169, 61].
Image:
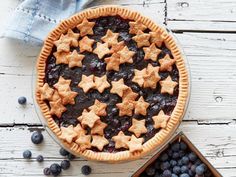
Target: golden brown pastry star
[84, 141]
[110, 38]
[140, 106]
[118, 87]
[99, 142]
[55, 96]
[151, 52]
[139, 76]
[160, 121]
[46, 92]
[125, 108]
[68, 97]
[135, 144]
[62, 85]
[121, 140]
[113, 62]
[101, 50]
[151, 77]
[98, 128]
[87, 83]
[63, 44]
[101, 83]
[73, 38]
[136, 26]
[168, 86]
[79, 130]
[86, 27]
[85, 44]
[68, 133]
[57, 108]
[61, 57]
[117, 47]
[142, 39]
[126, 55]
[99, 108]
[166, 63]
[88, 118]
[138, 127]
[156, 38]
[75, 59]
[129, 95]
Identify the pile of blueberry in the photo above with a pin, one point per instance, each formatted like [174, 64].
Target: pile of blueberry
[177, 161]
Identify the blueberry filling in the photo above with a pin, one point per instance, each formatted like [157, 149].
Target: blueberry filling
[93, 65]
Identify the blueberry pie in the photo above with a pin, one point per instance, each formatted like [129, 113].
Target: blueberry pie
[111, 84]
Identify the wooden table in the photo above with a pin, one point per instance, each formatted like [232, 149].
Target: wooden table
[207, 32]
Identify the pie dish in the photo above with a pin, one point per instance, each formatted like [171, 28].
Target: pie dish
[112, 85]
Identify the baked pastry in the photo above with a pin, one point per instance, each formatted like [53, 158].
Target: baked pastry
[111, 84]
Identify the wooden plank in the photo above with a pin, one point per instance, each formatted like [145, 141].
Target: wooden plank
[219, 148]
[213, 15]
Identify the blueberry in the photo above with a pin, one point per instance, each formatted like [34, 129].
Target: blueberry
[70, 156]
[83, 68]
[150, 171]
[46, 171]
[184, 169]
[173, 163]
[157, 165]
[39, 158]
[27, 154]
[192, 157]
[65, 164]
[22, 100]
[176, 170]
[175, 155]
[180, 162]
[86, 170]
[114, 111]
[203, 166]
[93, 66]
[169, 152]
[55, 169]
[173, 175]
[167, 173]
[193, 168]
[183, 146]
[184, 175]
[37, 137]
[197, 162]
[63, 152]
[165, 165]
[191, 173]
[200, 170]
[181, 153]
[175, 147]
[185, 160]
[164, 157]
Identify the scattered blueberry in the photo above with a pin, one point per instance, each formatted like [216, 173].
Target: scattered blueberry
[150, 171]
[39, 158]
[37, 137]
[86, 170]
[63, 152]
[180, 162]
[175, 155]
[200, 170]
[27, 154]
[175, 147]
[184, 175]
[167, 173]
[193, 168]
[46, 171]
[65, 164]
[22, 100]
[191, 173]
[70, 156]
[176, 170]
[164, 157]
[183, 146]
[185, 160]
[165, 165]
[173, 163]
[192, 157]
[181, 153]
[55, 169]
[174, 175]
[184, 169]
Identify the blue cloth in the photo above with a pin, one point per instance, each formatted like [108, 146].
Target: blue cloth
[32, 20]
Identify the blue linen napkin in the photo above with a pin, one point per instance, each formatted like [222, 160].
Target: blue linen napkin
[32, 20]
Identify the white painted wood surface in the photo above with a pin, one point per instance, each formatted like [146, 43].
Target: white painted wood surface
[206, 31]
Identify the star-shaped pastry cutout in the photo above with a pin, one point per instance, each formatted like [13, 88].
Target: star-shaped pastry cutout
[101, 83]
[136, 26]
[126, 55]
[86, 44]
[79, 130]
[142, 39]
[129, 95]
[166, 63]
[101, 50]
[57, 108]
[151, 52]
[113, 62]
[168, 85]
[138, 127]
[87, 83]
[68, 97]
[135, 144]
[62, 44]
[99, 108]
[152, 77]
[156, 38]
[75, 59]
[125, 108]
[160, 121]
[62, 85]
[118, 87]
[110, 38]
[46, 92]
[121, 140]
[88, 118]
[98, 128]
[73, 38]
[55, 96]
[68, 133]
[86, 27]
[99, 142]
[140, 106]
[84, 141]
[61, 57]
[117, 47]
[139, 76]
